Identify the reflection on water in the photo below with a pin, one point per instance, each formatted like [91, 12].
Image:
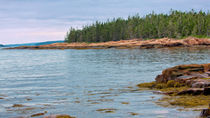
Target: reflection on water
[88, 83]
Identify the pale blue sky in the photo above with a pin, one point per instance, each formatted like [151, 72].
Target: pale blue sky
[24, 21]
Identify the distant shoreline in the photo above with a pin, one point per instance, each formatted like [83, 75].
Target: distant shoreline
[127, 44]
[32, 44]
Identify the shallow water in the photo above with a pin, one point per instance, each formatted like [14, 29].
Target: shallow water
[79, 82]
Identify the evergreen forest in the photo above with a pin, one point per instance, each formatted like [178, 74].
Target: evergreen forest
[175, 24]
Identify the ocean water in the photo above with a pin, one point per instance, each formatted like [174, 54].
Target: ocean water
[81, 82]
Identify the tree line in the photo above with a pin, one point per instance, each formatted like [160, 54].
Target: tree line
[175, 24]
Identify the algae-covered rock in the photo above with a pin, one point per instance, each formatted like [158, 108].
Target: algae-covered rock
[18, 105]
[107, 110]
[185, 101]
[37, 114]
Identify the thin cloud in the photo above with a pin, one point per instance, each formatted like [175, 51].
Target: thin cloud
[40, 20]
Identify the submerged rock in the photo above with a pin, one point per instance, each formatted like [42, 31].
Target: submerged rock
[38, 114]
[107, 110]
[59, 116]
[133, 113]
[18, 105]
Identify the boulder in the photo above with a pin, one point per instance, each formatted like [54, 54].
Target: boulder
[184, 72]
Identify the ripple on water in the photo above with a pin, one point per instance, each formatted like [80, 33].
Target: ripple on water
[88, 83]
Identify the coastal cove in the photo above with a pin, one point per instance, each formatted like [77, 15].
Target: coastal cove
[104, 59]
[90, 83]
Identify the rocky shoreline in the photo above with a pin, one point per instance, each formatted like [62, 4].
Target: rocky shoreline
[127, 44]
[187, 86]
[197, 77]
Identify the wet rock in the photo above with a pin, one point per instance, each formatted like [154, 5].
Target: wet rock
[133, 114]
[159, 79]
[18, 105]
[125, 103]
[195, 82]
[59, 116]
[164, 93]
[192, 91]
[201, 84]
[207, 91]
[184, 78]
[205, 112]
[37, 114]
[158, 92]
[198, 85]
[28, 99]
[76, 101]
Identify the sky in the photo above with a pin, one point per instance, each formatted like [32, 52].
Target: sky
[26, 21]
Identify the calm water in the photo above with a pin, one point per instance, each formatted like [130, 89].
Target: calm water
[78, 82]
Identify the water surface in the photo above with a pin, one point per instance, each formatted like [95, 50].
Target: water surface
[79, 82]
